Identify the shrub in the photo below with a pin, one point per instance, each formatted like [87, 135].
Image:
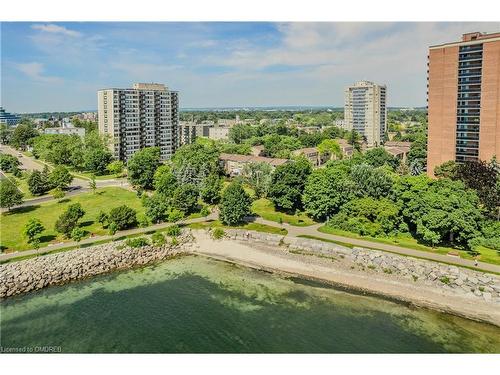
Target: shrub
[113, 228]
[77, 234]
[69, 219]
[205, 211]
[102, 218]
[173, 231]
[445, 280]
[218, 233]
[158, 239]
[123, 216]
[137, 242]
[144, 221]
[174, 215]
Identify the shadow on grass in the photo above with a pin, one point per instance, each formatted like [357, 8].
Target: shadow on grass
[21, 210]
[86, 223]
[47, 238]
[65, 200]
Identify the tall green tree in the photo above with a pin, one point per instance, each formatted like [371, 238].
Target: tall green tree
[60, 177]
[194, 162]
[164, 181]
[142, 166]
[235, 204]
[32, 229]
[211, 189]
[38, 183]
[23, 135]
[10, 195]
[185, 198]
[97, 160]
[326, 190]
[258, 175]
[68, 220]
[378, 157]
[371, 182]
[287, 184]
[122, 217]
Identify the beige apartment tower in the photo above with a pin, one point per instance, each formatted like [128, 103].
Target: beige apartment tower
[365, 111]
[464, 100]
[146, 115]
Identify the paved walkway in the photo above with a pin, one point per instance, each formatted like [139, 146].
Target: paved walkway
[293, 231]
[91, 240]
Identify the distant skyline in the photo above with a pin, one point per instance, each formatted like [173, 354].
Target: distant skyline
[60, 66]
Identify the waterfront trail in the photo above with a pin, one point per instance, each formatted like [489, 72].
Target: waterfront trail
[293, 231]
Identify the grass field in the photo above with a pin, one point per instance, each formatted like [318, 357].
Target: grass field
[13, 223]
[264, 208]
[88, 175]
[250, 226]
[22, 184]
[487, 255]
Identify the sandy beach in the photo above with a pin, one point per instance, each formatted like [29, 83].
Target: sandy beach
[278, 259]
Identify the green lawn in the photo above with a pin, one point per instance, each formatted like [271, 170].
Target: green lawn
[250, 226]
[487, 255]
[88, 175]
[264, 208]
[105, 199]
[22, 184]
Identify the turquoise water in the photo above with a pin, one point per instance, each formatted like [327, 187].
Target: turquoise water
[192, 304]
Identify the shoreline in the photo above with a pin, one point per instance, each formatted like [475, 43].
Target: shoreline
[351, 270]
[262, 257]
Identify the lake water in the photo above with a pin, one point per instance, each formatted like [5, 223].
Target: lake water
[196, 305]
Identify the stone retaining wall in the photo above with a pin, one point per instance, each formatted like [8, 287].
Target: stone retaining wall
[474, 284]
[36, 273]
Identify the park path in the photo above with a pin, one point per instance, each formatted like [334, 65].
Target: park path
[90, 240]
[312, 230]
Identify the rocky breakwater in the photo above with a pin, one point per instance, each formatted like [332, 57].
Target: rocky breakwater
[474, 285]
[37, 273]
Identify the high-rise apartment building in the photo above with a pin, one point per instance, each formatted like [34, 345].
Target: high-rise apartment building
[464, 100]
[365, 111]
[147, 115]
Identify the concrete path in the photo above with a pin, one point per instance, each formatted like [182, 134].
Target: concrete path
[312, 230]
[90, 240]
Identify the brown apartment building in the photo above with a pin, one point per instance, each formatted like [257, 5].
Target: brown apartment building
[464, 100]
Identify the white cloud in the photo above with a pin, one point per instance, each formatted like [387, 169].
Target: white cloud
[55, 29]
[34, 70]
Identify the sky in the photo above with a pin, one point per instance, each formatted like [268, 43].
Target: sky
[60, 66]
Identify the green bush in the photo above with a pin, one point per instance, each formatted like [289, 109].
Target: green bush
[158, 239]
[205, 211]
[173, 231]
[218, 233]
[113, 228]
[137, 242]
[123, 216]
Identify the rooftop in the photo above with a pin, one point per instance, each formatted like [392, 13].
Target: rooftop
[475, 37]
[252, 159]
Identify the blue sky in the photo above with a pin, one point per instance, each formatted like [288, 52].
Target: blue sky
[60, 66]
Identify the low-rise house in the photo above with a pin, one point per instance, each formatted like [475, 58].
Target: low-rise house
[346, 149]
[233, 164]
[398, 149]
[313, 155]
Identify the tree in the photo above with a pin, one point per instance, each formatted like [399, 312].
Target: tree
[446, 170]
[378, 157]
[38, 183]
[58, 193]
[194, 162]
[240, 132]
[77, 234]
[235, 204]
[115, 167]
[484, 178]
[440, 211]
[369, 217]
[123, 217]
[258, 175]
[156, 207]
[330, 147]
[211, 188]
[287, 184]
[92, 184]
[68, 220]
[60, 177]
[418, 151]
[370, 181]
[23, 135]
[103, 218]
[9, 163]
[354, 139]
[142, 167]
[5, 133]
[185, 198]
[10, 195]
[164, 181]
[326, 190]
[97, 160]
